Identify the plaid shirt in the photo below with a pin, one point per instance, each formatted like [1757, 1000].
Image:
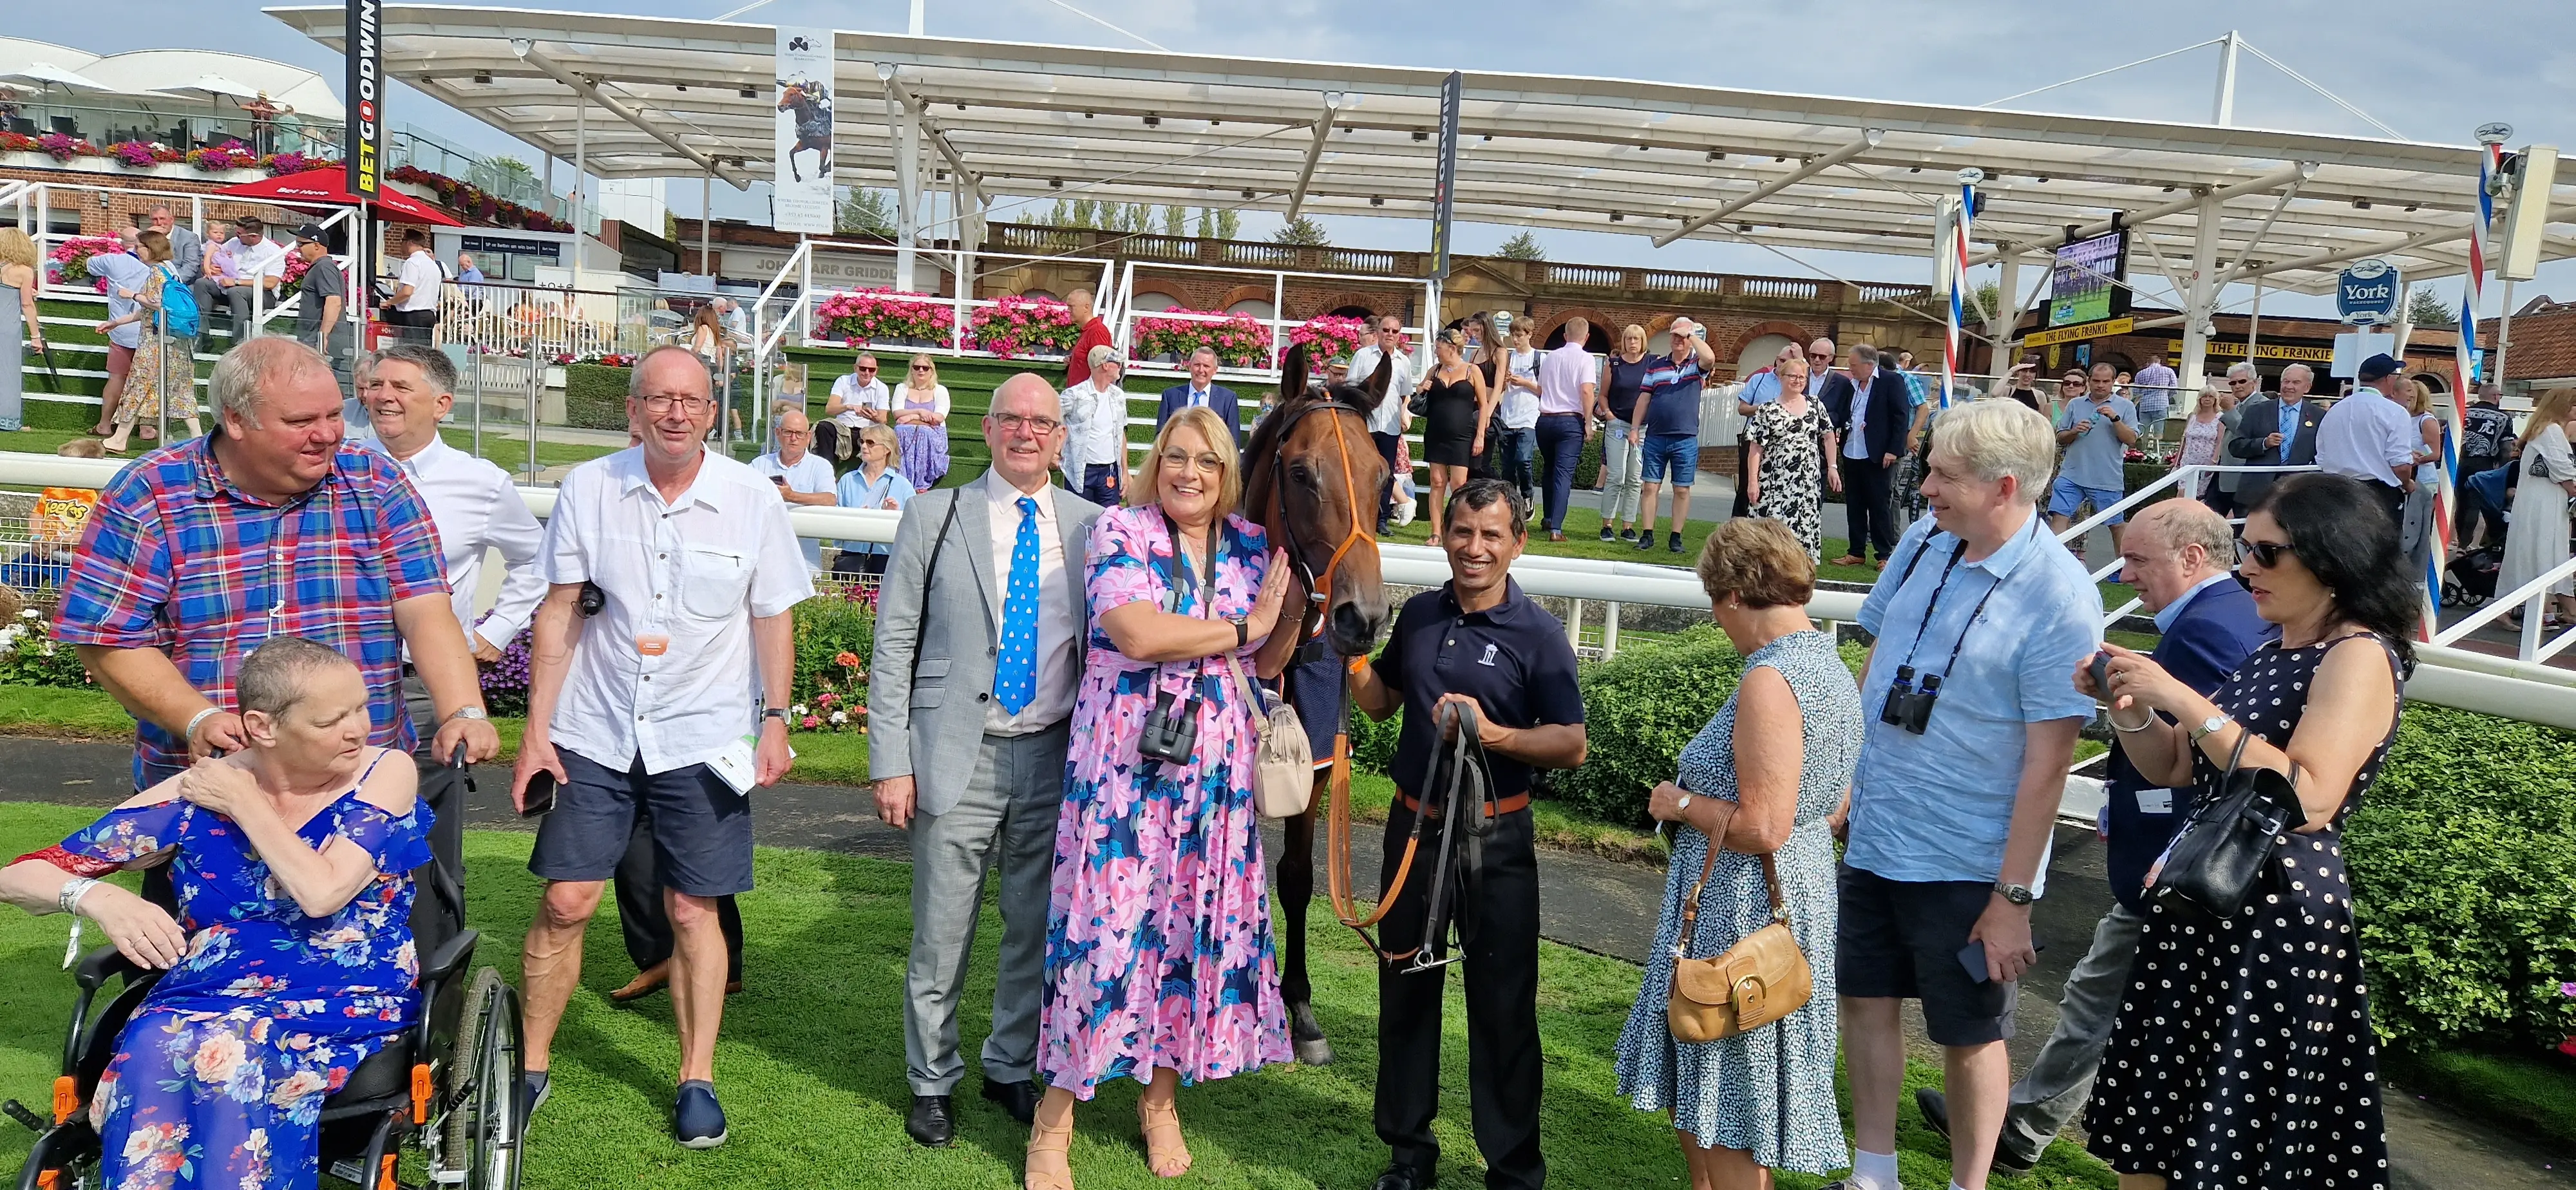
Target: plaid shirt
[175, 558]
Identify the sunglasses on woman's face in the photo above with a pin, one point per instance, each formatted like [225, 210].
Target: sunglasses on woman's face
[2266, 554]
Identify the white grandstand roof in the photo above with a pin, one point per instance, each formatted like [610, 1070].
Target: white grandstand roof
[1033, 122]
[141, 74]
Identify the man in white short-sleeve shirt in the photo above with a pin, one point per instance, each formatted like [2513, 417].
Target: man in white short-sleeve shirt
[858, 400]
[801, 476]
[415, 304]
[696, 571]
[1386, 422]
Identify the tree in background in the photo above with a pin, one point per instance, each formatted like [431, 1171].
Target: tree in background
[864, 212]
[1176, 222]
[508, 178]
[1217, 224]
[1302, 232]
[1522, 247]
[2426, 308]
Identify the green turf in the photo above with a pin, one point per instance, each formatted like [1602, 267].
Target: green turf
[811, 1064]
[2535, 1091]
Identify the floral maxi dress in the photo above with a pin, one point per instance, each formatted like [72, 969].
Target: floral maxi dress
[1159, 952]
[1792, 471]
[219, 1076]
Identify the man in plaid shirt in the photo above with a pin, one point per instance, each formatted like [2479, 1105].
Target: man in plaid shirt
[201, 550]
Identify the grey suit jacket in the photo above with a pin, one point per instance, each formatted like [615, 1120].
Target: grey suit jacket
[927, 721]
[187, 253]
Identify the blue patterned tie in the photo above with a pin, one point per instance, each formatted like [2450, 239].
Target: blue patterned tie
[1015, 681]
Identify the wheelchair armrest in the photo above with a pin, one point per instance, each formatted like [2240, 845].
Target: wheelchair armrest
[451, 957]
[99, 964]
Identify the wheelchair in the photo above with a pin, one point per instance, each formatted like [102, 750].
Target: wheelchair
[447, 1086]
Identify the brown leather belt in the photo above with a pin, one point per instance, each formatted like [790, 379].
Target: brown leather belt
[1510, 805]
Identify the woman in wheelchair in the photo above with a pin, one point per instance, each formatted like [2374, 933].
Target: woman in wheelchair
[291, 960]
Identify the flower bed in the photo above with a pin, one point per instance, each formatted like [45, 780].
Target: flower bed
[476, 202]
[861, 317]
[1016, 326]
[1328, 336]
[141, 155]
[68, 263]
[1240, 340]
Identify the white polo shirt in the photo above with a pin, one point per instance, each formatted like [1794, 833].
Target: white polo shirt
[477, 510]
[854, 394]
[696, 570]
[2368, 437]
[1390, 417]
[1095, 424]
[420, 271]
[807, 476]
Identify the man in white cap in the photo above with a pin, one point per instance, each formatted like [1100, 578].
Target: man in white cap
[1095, 430]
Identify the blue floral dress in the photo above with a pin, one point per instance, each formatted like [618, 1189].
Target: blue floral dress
[219, 1078]
[1770, 1091]
[1159, 952]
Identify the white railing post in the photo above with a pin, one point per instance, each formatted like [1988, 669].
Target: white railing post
[1609, 630]
[1574, 626]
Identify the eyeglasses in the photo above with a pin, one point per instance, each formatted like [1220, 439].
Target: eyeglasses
[1040, 426]
[1819, 359]
[1180, 460]
[2266, 554]
[692, 406]
[863, 367]
[921, 367]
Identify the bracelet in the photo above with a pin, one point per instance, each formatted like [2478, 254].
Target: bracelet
[190, 734]
[2124, 729]
[68, 898]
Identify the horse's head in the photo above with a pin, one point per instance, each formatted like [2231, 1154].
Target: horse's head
[789, 95]
[1314, 478]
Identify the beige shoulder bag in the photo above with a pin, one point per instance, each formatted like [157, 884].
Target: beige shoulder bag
[1283, 766]
[1757, 981]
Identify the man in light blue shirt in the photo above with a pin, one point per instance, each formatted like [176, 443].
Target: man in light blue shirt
[1972, 716]
[2097, 430]
[125, 275]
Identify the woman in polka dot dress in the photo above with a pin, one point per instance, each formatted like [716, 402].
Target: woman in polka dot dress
[2243, 1054]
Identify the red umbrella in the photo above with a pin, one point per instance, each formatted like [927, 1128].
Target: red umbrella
[327, 186]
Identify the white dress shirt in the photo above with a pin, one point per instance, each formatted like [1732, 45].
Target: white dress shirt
[477, 510]
[1390, 417]
[2368, 437]
[420, 271]
[806, 476]
[696, 571]
[262, 257]
[1095, 427]
[1519, 406]
[1059, 652]
[854, 394]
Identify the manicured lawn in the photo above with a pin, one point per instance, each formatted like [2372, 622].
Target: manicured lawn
[2536, 1091]
[811, 1064]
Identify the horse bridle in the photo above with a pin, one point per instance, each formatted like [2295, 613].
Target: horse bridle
[1318, 587]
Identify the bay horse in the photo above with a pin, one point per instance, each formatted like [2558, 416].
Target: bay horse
[812, 104]
[1313, 478]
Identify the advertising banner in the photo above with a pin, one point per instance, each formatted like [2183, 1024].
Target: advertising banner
[1443, 198]
[364, 145]
[800, 195]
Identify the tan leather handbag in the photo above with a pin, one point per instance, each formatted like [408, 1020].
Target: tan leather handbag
[1760, 979]
[1283, 765]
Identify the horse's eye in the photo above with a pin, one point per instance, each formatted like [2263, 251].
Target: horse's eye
[1302, 473]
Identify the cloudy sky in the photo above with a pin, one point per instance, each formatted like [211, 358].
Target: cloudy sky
[2431, 72]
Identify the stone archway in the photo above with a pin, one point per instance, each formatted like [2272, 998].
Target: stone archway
[1552, 334]
[1762, 330]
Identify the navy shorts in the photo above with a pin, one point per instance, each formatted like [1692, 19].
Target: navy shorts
[701, 827]
[1900, 940]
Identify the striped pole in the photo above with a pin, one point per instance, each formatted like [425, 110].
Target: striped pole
[2467, 359]
[1958, 261]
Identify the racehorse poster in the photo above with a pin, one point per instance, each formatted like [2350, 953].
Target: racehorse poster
[801, 190]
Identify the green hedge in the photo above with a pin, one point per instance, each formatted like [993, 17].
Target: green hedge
[595, 396]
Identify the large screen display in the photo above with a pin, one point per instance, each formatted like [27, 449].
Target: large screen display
[2080, 288]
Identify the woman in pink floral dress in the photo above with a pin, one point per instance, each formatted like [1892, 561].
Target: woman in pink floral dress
[1159, 963]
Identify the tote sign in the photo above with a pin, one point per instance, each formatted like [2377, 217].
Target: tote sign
[2367, 293]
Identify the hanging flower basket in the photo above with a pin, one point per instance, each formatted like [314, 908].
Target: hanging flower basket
[884, 316]
[1016, 326]
[1240, 340]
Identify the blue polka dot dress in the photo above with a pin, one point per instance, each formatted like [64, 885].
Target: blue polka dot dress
[2242, 1056]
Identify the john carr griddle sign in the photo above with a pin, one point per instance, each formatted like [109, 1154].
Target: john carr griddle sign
[366, 127]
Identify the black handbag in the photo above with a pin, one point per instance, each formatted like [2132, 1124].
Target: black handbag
[2210, 870]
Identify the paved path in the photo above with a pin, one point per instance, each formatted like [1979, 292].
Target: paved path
[1594, 904]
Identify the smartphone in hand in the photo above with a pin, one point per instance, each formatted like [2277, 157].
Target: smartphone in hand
[540, 796]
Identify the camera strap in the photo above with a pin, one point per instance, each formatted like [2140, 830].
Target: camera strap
[1931, 605]
[1207, 582]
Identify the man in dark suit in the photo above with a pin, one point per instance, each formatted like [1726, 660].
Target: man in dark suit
[1872, 431]
[2177, 554]
[1202, 389]
[2276, 432]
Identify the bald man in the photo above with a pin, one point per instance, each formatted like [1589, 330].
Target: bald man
[801, 476]
[2177, 553]
[1094, 333]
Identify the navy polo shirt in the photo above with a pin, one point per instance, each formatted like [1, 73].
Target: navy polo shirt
[1512, 659]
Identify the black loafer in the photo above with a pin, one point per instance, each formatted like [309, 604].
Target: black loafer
[1405, 1177]
[929, 1122]
[1936, 1112]
[1019, 1099]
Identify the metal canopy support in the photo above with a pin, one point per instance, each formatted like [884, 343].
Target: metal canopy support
[529, 53]
[939, 138]
[2202, 302]
[580, 163]
[706, 223]
[2223, 109]
[2261, 183]
[2005, 318]
[907, 177]
[1869, 139]
[1314, 153]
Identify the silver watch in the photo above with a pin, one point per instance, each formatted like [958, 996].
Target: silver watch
[468, 713]
[2018, 894]
[2210, 726]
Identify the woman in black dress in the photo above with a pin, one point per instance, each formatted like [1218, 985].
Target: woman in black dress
[1454, 419]
[2243, 1055]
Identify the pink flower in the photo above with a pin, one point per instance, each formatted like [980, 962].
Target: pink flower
[810, 723]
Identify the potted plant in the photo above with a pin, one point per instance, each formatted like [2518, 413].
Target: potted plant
[884, 316]
[1014, 326]
[1329, 336]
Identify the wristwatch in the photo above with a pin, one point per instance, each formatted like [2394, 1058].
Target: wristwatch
[2018, 894]
[468, 713]
[1681, 805]
[2210, 725]
[1242, 630]
[778, 713]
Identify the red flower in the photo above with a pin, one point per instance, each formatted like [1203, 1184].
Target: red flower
[847, 660]
[811, 723]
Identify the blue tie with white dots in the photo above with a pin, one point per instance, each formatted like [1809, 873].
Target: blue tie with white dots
[1015, 679]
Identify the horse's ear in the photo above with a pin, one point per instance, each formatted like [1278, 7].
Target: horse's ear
[1379, 380]
[1292, 374]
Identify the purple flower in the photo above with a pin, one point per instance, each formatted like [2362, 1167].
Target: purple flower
[2568, 988]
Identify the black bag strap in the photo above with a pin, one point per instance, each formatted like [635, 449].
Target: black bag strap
[930, 571]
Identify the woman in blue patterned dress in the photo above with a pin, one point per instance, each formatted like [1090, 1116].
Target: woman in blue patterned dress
[1763, 777]
[291, 960]
[1159, 962]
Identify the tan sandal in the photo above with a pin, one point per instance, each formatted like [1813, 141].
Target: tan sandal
[1057, 1144]
[1167, 1158]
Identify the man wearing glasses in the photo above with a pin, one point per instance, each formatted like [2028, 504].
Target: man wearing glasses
[858, 400]
[2244, 388]
[649, 706]
[975, 780]
[1387, 421]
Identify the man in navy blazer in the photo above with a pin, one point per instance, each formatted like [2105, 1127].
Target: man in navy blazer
[1871, 431]
[1202, 389]
[2261, 439]
[2176, 554]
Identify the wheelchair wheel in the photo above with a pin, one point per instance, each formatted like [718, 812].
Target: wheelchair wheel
[483, 1124]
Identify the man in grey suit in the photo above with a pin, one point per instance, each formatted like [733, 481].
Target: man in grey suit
[977, 572]
[2277, 431]
[2244, 387]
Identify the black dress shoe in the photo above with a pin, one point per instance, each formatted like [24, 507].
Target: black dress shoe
[1400, 1176]
[1936, 1112]
[930, 1121]
[1020, 1099]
